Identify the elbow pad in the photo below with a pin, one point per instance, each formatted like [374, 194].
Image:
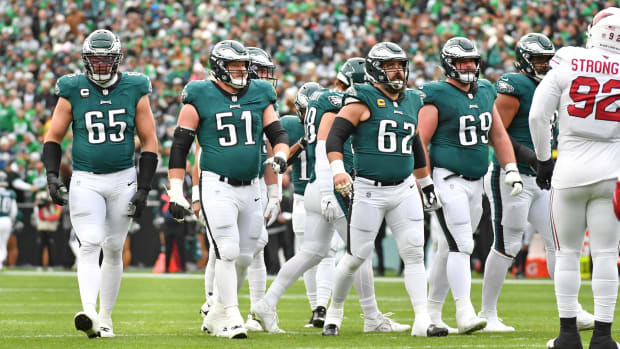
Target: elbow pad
[146, 169]
[419, 159]
[276, 133]
[338, 134]
[181, 142]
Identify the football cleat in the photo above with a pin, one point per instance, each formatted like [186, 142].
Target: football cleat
[204, 309]
[233, 325]
[585, 320]
[309, 324]
[606, 342]
[331, 330]
[383, 323]
[214, 318]
[422, 327]
[87, 323]
[105, 327]
[266, 316]
[494, 324]
[466, 318]
[565, 341]
[253, 325]
[318, 316]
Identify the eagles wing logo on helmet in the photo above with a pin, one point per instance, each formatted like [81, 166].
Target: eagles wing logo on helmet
[380, 54]
[530, 46]
[457, 49]
[225, 52]
[101, 55]
[352, 72]
[303, 96]
[261, 66]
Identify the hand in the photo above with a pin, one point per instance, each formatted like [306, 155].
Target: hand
[513, 179]
[196, 208]
[431, 201]
[617, 200]
[137, 203]
[179, 206]
[329, 208]
[57, 189]
[544, 173]
[278, 163]
[343, 183]
[272, 210]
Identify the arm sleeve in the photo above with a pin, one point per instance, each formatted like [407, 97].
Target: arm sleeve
[419, 158]
[338, 134]
[544, 104]
[322, 170]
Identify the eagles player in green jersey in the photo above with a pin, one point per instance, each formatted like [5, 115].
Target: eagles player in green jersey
[382, 121]
[456, 123]
[511, 214]
[105, 110]
[228, 116]
[8, 214]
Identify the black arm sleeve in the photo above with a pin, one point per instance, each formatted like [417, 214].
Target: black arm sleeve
[338, 134]
[181, 142]
[146, 169]
[524, 154]
[276, 133]
[51, 157]
[419, 159]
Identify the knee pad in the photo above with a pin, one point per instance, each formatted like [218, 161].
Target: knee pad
[463, 239]
[512, 242]
[89, 253]
[351, 263]
[315, 249]
[412, 254]
[515, 216]
[228, 251]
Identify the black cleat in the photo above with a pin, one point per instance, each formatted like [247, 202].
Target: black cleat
[565, 341]
[603, 342]
[436, 331]
[331, 330]
[85, 324]
[318, 316]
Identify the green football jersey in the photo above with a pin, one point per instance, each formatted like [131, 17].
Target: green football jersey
[461, 140]
[7, 202]
[230, 126]
[295, 131]
[103, 120]
[321, 102]
[522, 87]
[383, 144]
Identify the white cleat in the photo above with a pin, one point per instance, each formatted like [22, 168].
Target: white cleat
[466, 319]
[494, 323]
[266, 316]
[383, 323]
[585, 320]
[253, 325]
[214, 319]
[438, 321]
[87, 323]
[423, 327]
[105, 328]
[204, 309]
[234, 327]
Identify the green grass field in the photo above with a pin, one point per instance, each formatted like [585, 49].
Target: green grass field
[37, 311]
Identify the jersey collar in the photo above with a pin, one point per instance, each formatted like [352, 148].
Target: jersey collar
[229, 95]
[106, 90]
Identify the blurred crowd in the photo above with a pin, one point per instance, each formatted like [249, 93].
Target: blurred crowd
[170, 41]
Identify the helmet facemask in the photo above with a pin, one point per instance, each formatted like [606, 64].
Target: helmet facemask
[467, 75]
[101, 55]
[262, 72]
[400, 74]
[540, 65]
[237, 75]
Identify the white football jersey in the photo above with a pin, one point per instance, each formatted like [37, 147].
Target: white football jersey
[584, 86]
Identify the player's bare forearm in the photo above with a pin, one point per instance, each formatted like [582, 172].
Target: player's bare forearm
[145, 125]
[196, 168]
[177, 173]
[281, 147]
[421, 172]
[333, 156]
[61, 119]
[501, 142]
[428, 118]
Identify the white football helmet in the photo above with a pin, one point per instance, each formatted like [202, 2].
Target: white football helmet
[604, 32]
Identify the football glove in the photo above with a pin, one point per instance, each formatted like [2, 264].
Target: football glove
[329, 208]
[513, 178]
[544, 173]
[57, 189]
[617, 200]
[431, 200]
[279, 162]
[178, 204]
[272, 210]
[137, 203]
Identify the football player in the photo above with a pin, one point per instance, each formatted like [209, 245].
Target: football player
[583, 86]
[382, 119]
[8, 214]
[105, 109]
[457, 120]
[228, 116]
[511, 214]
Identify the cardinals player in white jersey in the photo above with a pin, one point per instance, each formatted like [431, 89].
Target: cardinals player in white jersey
[584, 85]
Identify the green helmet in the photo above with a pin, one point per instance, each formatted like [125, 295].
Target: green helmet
[533, 45]
[101, 55]
[259, 59]
[457, 49]
[223, 53]
[380, 54]
[352, 71]
[303, 96]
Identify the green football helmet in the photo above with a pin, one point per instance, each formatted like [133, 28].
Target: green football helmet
[221, 55]
[101, 55]
[261, 66]
[457, 49]
[303, 96]
[380, 54]
[352, 72]
[530, 46]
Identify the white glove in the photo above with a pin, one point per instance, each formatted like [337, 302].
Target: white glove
[344, 188]
[431, 200]
[272, 210]
[179, 206]
[513, 178]
[330, 208]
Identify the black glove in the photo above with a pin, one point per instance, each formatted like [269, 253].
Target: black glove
[58, 191]
[177, 211]
[137, 203]
[279, 164]
[544, 173]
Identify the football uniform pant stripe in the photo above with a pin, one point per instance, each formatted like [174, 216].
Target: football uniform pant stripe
[204, 215]
[350, 213]
[444, 227]
[497, 202]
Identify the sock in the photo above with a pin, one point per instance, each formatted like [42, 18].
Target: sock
[567, 282]
[434, 310]
[105, 315]
[438, 285]
[288, 274]
[226, 282]
[257, 277]
[310, 281]
[415, 283]
[459, 274]
[363, 279]
[604, 285]
[111, 274]
[343, 280]
[325, 280]
[601, 329]
[568, 324]
[494, 276]
[210, 273]
[89, 276]
[550, 262]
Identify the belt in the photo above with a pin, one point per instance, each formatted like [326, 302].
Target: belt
[382, 183]
[234, 182]
[471, 179]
